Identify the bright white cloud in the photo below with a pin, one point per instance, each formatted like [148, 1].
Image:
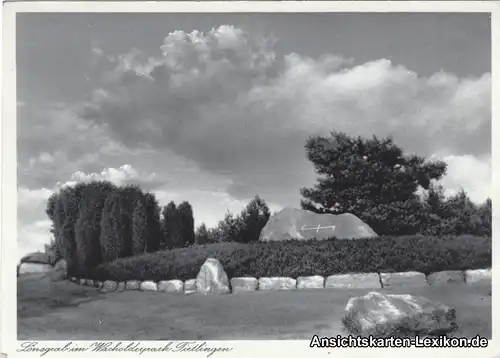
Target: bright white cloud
[470, 174]
[28, 197]
[118, 176]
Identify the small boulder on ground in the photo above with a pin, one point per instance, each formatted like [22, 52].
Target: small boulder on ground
[354, 280]
[445, 277]
[382, 315]
[277, 283]
[244, 284]
[109, 286]
[171, 286]
[132, 285]
[478, 276]
[148, 286]
[403, 279]
[212, 278]
[310, 282]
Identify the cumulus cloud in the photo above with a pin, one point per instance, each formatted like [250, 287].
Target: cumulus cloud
[28, 197]
[478, 185]
[224, 100]
[123, 175]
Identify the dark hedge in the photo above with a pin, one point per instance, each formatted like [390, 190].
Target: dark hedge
[304, 258]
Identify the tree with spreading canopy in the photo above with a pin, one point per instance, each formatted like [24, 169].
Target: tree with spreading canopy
[370, 178]
[254, 217]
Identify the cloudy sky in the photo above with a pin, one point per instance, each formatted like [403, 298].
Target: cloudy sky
[216, 108]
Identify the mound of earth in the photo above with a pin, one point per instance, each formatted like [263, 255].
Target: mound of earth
[39, 258]
[299, 224]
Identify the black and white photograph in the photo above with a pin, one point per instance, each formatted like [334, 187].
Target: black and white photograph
[220, 176]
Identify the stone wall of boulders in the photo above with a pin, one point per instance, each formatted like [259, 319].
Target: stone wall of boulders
[213, 279]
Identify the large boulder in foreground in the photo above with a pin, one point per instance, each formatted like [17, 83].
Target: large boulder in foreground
[300, 224]
[212, 278]
[383, 315]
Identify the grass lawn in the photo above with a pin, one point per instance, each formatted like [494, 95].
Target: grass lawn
[65, 311]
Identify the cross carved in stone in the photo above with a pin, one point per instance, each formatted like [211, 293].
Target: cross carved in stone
[317, 228]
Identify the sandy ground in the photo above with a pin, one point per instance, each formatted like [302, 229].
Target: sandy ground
[66, 311]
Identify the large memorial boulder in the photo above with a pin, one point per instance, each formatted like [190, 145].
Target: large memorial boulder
[212, 278]
[299, 224]
[384, 315]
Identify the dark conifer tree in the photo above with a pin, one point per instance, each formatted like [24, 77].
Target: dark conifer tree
[186, 218]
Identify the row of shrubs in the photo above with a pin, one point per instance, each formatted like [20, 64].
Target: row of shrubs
[304, 258]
